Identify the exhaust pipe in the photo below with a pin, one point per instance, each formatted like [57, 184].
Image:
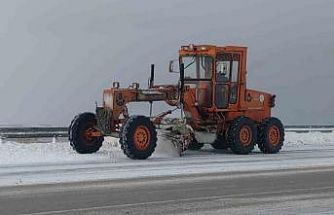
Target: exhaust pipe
[151, 81]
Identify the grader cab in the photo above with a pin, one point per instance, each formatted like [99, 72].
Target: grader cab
[216, 106]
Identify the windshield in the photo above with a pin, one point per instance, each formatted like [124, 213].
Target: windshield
[197, 67]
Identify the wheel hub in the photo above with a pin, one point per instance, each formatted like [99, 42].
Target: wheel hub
[274, 135]
[141, 137]
[245, 135]
[90, 134]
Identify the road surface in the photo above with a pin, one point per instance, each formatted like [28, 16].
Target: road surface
[49, 178]
[307, 190]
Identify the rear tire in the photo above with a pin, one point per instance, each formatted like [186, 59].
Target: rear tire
[242, 135]
[271, 136]
[138, 137]
[220, 143]
[78, 140]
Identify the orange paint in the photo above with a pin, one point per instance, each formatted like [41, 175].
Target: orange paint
[200, 98]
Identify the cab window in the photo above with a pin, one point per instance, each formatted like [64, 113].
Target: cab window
[197, 67]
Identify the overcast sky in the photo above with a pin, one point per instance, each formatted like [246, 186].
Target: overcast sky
[56, 56]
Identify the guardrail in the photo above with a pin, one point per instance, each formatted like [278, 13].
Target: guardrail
[33, 132]
[307, 130]
[46, 132]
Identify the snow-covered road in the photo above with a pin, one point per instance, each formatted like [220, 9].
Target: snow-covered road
[39, 163]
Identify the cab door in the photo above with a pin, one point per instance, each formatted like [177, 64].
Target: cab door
[198, 76]
[226, 79]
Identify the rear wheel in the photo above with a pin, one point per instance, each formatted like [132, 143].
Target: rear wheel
[241, 135]
[138, 137]
[81, 134]
[220, 143]
[271, 135]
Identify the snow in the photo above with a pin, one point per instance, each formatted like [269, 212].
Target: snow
[28, 153]
[310, 138]
[54, 162]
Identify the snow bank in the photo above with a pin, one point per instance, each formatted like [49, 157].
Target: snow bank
[22, 153]
[310, 138]
[37, 163]
[12, 153]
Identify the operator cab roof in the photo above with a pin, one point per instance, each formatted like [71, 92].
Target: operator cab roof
[208, 49]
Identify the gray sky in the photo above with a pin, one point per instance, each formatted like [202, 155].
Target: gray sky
[58, 55]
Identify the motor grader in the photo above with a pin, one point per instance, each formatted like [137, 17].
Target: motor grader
[216, 107]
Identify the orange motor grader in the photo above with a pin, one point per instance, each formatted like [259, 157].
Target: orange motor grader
[216, 108]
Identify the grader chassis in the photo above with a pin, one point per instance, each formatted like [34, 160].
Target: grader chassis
[211, 93]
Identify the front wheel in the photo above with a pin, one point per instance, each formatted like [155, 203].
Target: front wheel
[81, 134]
[271, 135]
[138, 137]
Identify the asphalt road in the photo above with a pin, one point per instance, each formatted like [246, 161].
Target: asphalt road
[291, 191]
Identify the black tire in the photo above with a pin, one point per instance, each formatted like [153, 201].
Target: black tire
[220, 143]
[78, 141]
[242, 135]
[195, 145]
[140, 147]
[271, 135]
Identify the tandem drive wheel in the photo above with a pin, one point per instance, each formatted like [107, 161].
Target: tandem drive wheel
[271, 135]
[81, 134]
[138, 137]
[242, 135]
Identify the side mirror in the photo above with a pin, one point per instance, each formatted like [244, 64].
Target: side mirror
[172, 66]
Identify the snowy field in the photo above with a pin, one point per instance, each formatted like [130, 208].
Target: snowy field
[56, 162]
